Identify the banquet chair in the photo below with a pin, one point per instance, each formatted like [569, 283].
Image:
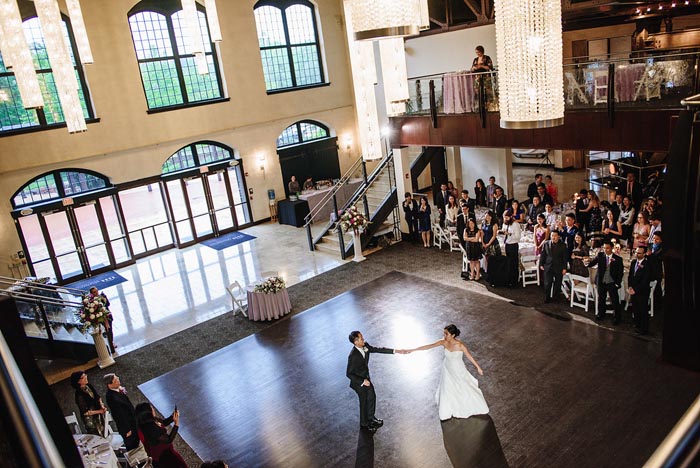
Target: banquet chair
[465, 259]
[530, 271]
[239, 298]
[582, 291]
[115, 440]
[574, 89]
[652, 285]
[72, 421]
[438, 235]
[650, 84]
[454, 244]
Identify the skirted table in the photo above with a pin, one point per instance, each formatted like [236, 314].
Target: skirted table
[267, 306]
[96, 451]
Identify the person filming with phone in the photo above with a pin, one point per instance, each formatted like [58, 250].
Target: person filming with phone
[154, 434]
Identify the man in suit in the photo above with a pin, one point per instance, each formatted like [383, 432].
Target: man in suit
[491, 190]
[441, 200]
[499, 203]
[608, 280]
[568, 232]
[464, 198]
[632, 189]
[544, 196]
[532, 188]
[122, 411]
[462, 217]
[553, 261]
[638, 286]
[410, 206]
[535, 208]
[360, 381]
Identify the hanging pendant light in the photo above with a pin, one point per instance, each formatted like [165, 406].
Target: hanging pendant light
[381, 19]
[530, 69]
[61, 64]
[194, 36]
[78, 24]
[394, 75]
[424, 24]
[213, 20]
[16, 54]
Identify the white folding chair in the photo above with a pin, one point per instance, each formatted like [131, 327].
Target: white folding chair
[115, 440]
[574, 89]
[582, 291]
[437, 235]
[465, 259]
[651, 297]
[453, 242]
[239, 298]
[72, 421]
[530, 272]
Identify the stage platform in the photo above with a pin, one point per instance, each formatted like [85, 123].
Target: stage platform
[561, 393]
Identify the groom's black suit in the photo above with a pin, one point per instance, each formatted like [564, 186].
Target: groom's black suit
[357, 372]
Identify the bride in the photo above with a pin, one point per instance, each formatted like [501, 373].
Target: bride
[458, 394]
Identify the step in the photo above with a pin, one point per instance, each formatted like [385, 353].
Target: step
[328, 248]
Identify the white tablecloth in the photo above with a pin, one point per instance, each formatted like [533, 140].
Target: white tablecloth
[314, 197]
[96, 451]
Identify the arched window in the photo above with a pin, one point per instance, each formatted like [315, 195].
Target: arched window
[14, 118]
[195, 155]
[55, 185]
[168, 69]
[301, 132]
[289, 44]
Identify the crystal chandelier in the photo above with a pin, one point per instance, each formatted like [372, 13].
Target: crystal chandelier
[530, 70]
[379, 19]
[394, 75]
[81, 39]
[194, 36]
[213, 20]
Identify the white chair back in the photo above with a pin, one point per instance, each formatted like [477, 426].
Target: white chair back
[582, 291]
[72, 421]
[530, 272]
[239, 298]
[115, 440]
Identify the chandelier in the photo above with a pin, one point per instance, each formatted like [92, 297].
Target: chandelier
[530, 70]
[380, 19]
[194, 33]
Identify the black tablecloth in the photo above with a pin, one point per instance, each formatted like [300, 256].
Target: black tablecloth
[292, 212]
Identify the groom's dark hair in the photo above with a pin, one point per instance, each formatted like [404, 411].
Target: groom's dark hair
[353, 336]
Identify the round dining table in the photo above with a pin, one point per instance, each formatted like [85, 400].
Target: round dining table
[267, 306]
[96, 451]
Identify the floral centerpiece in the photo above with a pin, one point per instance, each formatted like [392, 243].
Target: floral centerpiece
[271, 285]
[93, 313]
[353, 220]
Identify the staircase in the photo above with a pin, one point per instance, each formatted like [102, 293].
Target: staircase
[48, 316]
[377, 198]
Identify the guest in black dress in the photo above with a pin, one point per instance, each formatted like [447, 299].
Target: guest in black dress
[89, 403]
[580, 252]
[423, 214]
[474, 238]
[156, 439]
[480, 193]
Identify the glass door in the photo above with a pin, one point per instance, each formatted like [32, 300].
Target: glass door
[180, 211]
[200, 204]
[60, 232]
[37, 248]
[98, 255]
[221, 201]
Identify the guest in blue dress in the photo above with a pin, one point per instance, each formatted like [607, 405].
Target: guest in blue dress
[423, 214]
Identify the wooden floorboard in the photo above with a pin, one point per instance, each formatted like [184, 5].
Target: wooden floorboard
[561, 393]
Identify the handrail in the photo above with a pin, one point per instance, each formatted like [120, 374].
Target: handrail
[673, 450]
[43, 299]
[309, 217]
[37, 444]
[691, 101]
[37, 285]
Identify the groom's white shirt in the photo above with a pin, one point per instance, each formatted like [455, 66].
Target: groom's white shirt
[362, 351]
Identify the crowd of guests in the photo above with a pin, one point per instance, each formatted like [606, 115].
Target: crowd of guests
[563, 242]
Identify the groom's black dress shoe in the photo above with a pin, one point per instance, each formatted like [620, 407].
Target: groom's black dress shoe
[372, 429]
[376, 423]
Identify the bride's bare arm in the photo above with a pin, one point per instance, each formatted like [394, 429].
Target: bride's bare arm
[471, 358]
[428, 346]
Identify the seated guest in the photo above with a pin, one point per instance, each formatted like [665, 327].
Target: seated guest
[89, 403]
[309, 183]
[155, 437]
[534, 210]
[293, 186]
[451, 211]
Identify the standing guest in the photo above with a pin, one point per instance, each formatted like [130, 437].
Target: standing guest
[655, 221]
[451, 211]
[101, 297]
[650, 206]
[489, 240]
[616, 205]
[474, 239]
[309, 183]
[122, 411]
[627, 219]
[480, 193]
[638, 287]
[541, 234]
[482, 62]
[89, 403]
[640, 232]
[552, 189]
[498, 205]
[544, 196]
[568, 232]
[293, 186]
[608, 280]
[534, 210]
[583, 210]
[532, 188]
[511, 229]
[156, 440]
[469, 201]
[612, 228]
[553, 261]
[451, 188]
[360, 381]
[423, 214]
[441, 199]
[580, 252]
[655, 252]
[462, 219]
[551, 216]
[595, 223]
[491, 191]
[656, 248]
[517, 212]
[409, 210]
[633, 189]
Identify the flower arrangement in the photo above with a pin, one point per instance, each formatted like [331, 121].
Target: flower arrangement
[270, 285]
[93, 313]
[353, 220]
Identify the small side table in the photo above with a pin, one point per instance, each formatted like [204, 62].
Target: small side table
[273, 210]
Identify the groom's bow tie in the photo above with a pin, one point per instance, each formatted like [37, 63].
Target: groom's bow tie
[365, 349]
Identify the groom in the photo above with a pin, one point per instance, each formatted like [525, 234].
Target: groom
[358, 373]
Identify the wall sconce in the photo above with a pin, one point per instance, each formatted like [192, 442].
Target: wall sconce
[261, 160]
[348, 142]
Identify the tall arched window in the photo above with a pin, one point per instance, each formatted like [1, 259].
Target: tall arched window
[301, 132]
[168, 69]
[289, 44]
[56, 185]
[14, 118]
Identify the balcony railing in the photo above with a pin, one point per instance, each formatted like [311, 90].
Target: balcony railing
[644, 82]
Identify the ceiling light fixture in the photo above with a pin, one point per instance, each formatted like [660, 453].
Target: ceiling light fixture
[381, 19]
[194, 35]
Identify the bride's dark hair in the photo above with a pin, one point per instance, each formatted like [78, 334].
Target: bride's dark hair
[452, 330]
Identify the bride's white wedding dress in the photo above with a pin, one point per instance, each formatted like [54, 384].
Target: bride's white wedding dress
[458, 394]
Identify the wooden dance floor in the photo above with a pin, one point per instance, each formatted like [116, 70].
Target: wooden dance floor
[561, 393]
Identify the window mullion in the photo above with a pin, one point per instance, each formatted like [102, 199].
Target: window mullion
[288, 41]
[176, 55]
[318, 45]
